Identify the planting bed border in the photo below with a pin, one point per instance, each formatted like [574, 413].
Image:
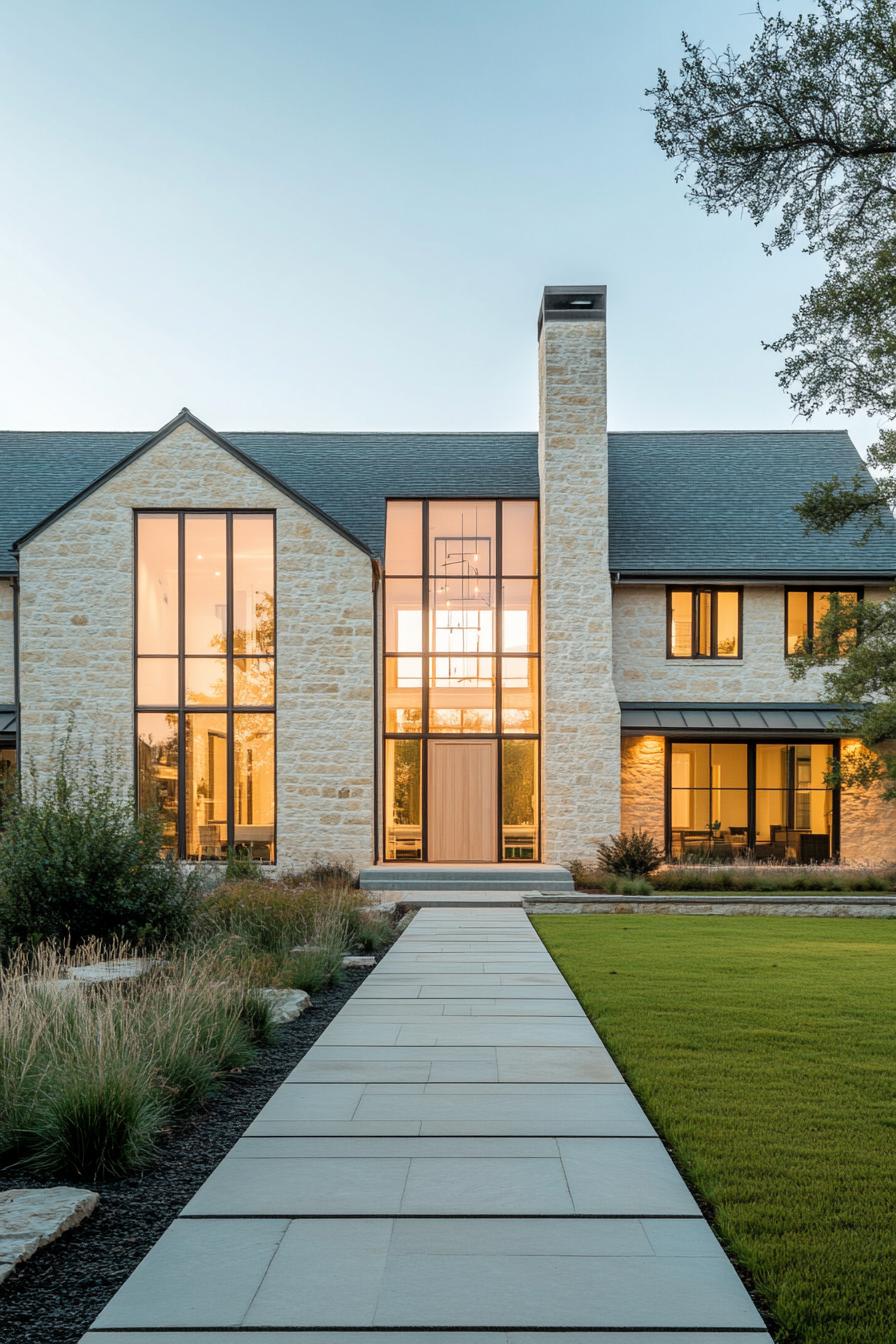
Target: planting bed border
[54, 1297]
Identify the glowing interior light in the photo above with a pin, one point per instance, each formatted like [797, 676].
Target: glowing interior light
[200, 557]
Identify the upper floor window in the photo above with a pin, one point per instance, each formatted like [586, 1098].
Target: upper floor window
[703, 622]
[205, 612]
[806, 608]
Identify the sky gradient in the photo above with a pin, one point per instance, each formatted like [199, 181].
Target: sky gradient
[300, 216]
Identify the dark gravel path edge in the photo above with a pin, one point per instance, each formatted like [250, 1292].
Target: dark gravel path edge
[56, 1295]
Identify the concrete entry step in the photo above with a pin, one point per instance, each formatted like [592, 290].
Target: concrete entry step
[546, 878]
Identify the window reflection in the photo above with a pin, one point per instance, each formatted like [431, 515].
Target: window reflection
[205, 773]
[519, 537]
[205, 583]
[253, 785]
[253, 583]
[157, 756]
[157, 587]
[805, 611]
[404, 834]
[519, 795]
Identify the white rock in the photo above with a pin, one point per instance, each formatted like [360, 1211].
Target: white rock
[358, 963]
[286, 1004]
[30, 1219]
[100, 972]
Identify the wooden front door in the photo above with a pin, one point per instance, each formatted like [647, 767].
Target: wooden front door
[462, 802]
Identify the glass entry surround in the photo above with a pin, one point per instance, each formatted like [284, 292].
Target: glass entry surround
[725, 799]
[461, 664]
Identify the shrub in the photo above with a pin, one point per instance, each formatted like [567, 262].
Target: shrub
[591, 877]
[630, 854]
[76, 862]
[90, 1075]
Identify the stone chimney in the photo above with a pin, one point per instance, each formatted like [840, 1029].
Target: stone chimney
[580, 727]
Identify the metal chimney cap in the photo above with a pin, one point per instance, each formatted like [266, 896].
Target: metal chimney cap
[573, 303]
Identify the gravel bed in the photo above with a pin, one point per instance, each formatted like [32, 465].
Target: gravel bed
[54, 1297]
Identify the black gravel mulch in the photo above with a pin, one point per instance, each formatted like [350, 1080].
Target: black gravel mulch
[54, 1297]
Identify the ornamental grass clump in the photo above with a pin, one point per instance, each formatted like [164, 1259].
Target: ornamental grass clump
[91, 1074]
[289, 933]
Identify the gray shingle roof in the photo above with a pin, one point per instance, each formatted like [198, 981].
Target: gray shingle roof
[722, 503]
[680, 503]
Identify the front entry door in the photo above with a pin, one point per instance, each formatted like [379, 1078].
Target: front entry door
[462, 787]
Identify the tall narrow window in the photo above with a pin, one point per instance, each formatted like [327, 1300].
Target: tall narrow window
[205, 681]
[461, 661]
[703, 622]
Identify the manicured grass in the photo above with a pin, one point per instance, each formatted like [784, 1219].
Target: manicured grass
[763, 1051]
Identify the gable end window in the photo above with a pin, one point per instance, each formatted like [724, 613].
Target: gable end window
[205, 680]
[704, 622]
[805, 609]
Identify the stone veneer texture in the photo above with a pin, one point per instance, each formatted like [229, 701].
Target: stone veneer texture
[77, 612]
[580, 804]
[7, 645]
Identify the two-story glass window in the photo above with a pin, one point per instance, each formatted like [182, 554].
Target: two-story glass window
[205, 680]
[806, 608]
[703, 622]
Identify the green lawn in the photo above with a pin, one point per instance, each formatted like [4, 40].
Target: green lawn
[763, 1051]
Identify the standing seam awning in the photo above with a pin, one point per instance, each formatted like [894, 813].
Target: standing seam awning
[801, 720]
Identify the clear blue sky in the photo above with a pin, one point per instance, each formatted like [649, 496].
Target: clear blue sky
[340, 216]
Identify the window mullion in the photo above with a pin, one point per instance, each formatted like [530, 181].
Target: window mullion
[181, 696]
[229, 674]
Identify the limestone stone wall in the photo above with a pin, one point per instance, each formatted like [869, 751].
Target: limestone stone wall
[867, 824]
[580, 709]
[643, 786]
[77, 640]
[643, 672]
[7, 645]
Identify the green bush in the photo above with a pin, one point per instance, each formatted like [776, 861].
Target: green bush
[630, 854]
[91, 1075]
[76, 862]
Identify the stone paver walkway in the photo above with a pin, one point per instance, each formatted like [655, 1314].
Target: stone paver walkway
[458, 1152]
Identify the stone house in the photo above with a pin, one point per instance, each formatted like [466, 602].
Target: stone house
[495, 648]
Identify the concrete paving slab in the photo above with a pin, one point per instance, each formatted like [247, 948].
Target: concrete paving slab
[519, 1064]
[614, 1176]
[229, 1259]
[295, 1187]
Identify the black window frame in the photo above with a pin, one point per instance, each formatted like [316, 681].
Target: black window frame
[751, 743]
[810, 591]
[426, 733]
[695, 591]
[182, 709]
